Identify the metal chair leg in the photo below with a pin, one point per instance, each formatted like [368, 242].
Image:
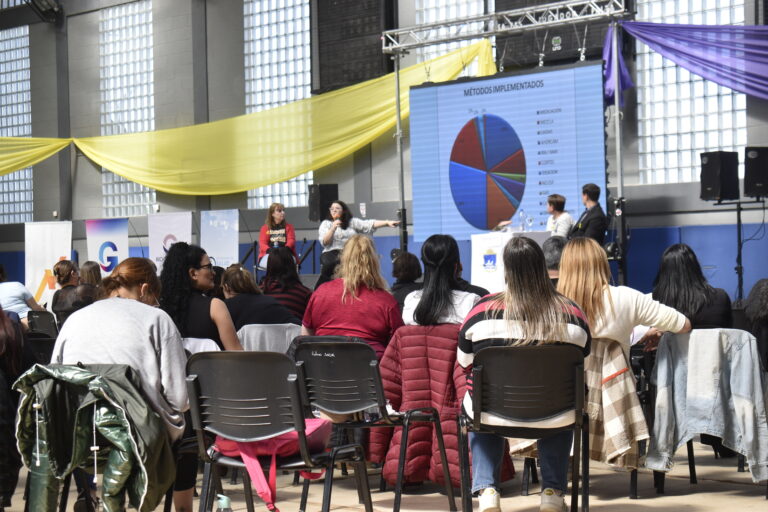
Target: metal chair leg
[444, 462]
[304, 495]
[382, 481]
[575, 466]
[296, 478]
[65, 493]
[205, 490]
[658, 481]
[741, 463]
[401, 463]
[633, 484]
[364, 488]
[585, 465]
[526, 475]
[466, 495]
[328, 484]
[248, 490]
[691, 463]
[168, 505]
[534, 472]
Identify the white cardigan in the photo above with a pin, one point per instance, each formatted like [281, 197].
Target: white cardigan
[631, 308]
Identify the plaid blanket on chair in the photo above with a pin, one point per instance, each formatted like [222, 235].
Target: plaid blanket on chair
[616, 420]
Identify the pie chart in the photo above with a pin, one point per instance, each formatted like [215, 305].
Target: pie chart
[487, 171]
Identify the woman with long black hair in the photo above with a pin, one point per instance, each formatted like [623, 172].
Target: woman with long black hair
[338, 227]
[440, 301]
[680, 284]
[186, 277]
[282, 282]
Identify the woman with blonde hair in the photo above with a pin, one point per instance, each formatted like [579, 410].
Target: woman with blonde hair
[357, 303]
[528, 312]
[612, 311]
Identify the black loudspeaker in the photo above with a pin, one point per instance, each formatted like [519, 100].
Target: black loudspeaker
[720, 176]
[320, 199]
[755, 172]
[347, 46]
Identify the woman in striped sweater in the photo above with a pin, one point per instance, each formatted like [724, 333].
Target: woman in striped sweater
[528, 312]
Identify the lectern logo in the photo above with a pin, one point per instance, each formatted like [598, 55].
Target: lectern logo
[489, 260]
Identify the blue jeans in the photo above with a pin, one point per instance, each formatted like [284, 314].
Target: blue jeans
[488, 453]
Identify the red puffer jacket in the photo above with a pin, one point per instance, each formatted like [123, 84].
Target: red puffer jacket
[418, 370]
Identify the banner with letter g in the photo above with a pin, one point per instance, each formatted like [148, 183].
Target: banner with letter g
[107, 241]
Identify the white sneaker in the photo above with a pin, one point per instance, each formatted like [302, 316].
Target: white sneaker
[490, 500]
[551, 501]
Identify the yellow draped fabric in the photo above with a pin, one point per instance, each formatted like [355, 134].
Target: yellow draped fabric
[21, 152]
[245, 152]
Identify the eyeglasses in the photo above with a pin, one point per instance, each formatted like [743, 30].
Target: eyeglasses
[208, 266]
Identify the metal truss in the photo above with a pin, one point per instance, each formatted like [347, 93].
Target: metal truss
[501, 23]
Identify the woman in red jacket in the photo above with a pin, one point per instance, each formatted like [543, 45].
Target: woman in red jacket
[276, 232]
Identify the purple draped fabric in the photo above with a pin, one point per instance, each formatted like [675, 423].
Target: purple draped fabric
[609, 81]
[734, 56]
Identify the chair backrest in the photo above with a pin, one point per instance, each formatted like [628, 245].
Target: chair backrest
[43, 322]
[340, 376]
[40, 346]
[268, 337]
[528, 383]
[195, 345]
[244, 396]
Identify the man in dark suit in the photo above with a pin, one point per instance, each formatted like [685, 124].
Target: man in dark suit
[593, 222]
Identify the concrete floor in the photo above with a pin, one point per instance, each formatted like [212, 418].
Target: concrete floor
[720, 487]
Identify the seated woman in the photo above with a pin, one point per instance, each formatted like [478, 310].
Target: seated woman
[14, 297]
[276, 232]
[73, 294]
[680, 284]
[11, 366]
[90, 273]
[426, 345]
[756, 310]
[357, 303]
[282, 282]
[335, 230]
[612, 311]
[406, 269]
[528, 312]
[125, 328]
[247, 305]
[440, 301]
[186, 277]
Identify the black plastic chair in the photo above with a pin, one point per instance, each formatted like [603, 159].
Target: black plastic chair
[253, 396]
[43, 322]
[342, 377]
[528, 384]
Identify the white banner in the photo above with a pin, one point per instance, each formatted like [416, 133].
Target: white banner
[45, 243]
[487, 256]
[220, 235]
[165, 229]
[107, 241]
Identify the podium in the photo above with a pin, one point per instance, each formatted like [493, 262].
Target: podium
[487, 268]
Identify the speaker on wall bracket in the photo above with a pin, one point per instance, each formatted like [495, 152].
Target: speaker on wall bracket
[720, 176]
